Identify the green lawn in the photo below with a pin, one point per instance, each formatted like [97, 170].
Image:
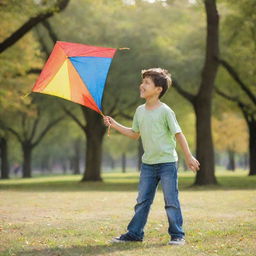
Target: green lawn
[58, 215]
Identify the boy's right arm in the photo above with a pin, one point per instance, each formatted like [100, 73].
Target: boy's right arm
[109, 121]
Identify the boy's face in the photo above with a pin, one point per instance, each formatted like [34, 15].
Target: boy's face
[148, 88]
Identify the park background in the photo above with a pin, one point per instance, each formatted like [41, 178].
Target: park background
[51, 145]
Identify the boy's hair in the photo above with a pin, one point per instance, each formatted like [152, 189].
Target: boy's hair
[160, 77]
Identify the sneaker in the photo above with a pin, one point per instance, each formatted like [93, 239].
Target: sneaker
[123, 239]
[177, 241]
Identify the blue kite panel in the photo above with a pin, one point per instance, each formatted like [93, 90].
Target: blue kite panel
[93, 71]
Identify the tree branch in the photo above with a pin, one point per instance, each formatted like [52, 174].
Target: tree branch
[51, 33]
[43, 45]
[4, 127]
[28, 72]
[112, 109]
[126, 116]
[190, 97]
[23, 125]
[120, 112]
[224, 95]
[47, 128]
[69, 113]
[35, 124]
[33, 21]
[236, 77]
[244, 107]
[34, 71]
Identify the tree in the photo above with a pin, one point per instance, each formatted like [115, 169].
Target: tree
[250, 119]
[29, 134]
[132, 30]
[4, 157]
[237, 62]
[64, 147]
[12, 71]
[92, 125]
[202, 101]
[112, 146]
[230, 134]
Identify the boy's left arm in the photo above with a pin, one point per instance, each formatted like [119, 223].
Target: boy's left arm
[191, 161]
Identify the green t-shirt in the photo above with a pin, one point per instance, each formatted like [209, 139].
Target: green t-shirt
[157, 128]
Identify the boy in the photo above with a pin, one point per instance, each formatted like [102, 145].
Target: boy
[155, 122]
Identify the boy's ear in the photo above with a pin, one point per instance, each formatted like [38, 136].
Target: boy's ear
[159, 88]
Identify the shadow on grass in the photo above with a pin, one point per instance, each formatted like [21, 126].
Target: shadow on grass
[88, 250]
[111, 184]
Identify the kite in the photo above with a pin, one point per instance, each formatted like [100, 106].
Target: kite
[76, 72]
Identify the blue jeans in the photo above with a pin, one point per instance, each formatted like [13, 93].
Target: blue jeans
[150, 176]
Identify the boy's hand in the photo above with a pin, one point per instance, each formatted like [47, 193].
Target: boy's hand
[108, 121]
[192, 163]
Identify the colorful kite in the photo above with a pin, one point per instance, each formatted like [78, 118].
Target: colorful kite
[76, 72]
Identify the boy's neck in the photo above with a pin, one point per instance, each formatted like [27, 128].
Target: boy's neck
[152, 102]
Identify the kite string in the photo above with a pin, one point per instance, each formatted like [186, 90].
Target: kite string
[109, 130]
[123, 48]
[26, 94]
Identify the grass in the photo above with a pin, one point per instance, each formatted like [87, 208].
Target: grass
[58, 215]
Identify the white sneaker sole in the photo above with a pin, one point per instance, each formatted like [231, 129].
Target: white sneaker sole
[177, 243]
[116, 241]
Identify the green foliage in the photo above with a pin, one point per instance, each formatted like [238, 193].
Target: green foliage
[169, 34]
[230, 133]
[117, 144]
[238, 47]
[59, 143]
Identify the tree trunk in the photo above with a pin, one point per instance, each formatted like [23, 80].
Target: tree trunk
[95, 131]
[204, 144]
[4, 158]
[112, 163]
[203, 100]
[231, 160]
[93, 157]
[123, 163]
[65, 165]
[27, 154]
[252, 147]
[77, 150]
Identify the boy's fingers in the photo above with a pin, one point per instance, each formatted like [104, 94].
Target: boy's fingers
[191, 166]
[197, 164]
[194, 167]
[107, 120]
